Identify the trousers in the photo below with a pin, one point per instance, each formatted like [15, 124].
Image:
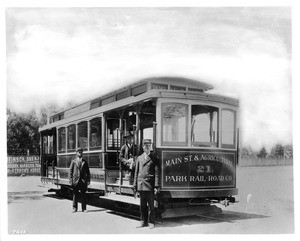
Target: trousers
[82, 188]
[147, 206]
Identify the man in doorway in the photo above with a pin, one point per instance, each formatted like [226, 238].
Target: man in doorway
[126, 155]
[146, 180]
[79, 179]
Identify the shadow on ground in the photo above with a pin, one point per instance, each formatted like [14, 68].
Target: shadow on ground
[122, 210]
[225, 217]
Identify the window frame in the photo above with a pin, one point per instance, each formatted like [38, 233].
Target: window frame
[58, 140]
[45, 142]
[206, 143]
[116, 143]
[172, 143]
[76, 122]
[87, 134]
[90, 136]
[190, 103]
[67, 133]
[229, 146]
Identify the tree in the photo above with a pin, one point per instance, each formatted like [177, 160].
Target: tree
[22, 132]
[247, 152]
[45, 112]
[262, 153]
[23, 129]
[288, 151]
[277, 151]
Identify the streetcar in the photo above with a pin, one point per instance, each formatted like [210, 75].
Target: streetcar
[194, 133]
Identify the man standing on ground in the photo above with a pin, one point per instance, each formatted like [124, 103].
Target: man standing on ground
[79, 179]
[146, 183]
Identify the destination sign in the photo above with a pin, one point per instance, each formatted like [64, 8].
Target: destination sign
[184, 169]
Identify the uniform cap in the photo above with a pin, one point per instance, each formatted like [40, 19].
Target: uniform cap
[128, 135]
[79, 149]
[147, 141]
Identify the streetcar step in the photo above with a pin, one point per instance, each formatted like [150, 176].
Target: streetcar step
[121, 198]
[190, 211]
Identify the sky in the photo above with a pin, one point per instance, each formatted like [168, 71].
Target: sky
[70, 55]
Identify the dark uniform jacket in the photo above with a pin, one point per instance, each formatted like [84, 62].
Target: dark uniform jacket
[146, 176]
[77, 173]
[126, 153]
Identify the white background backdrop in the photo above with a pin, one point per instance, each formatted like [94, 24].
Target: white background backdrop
[245, 55]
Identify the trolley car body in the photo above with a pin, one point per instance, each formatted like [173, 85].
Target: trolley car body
[194, 135]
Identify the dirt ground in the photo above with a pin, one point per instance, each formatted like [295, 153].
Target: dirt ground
[266, 206]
